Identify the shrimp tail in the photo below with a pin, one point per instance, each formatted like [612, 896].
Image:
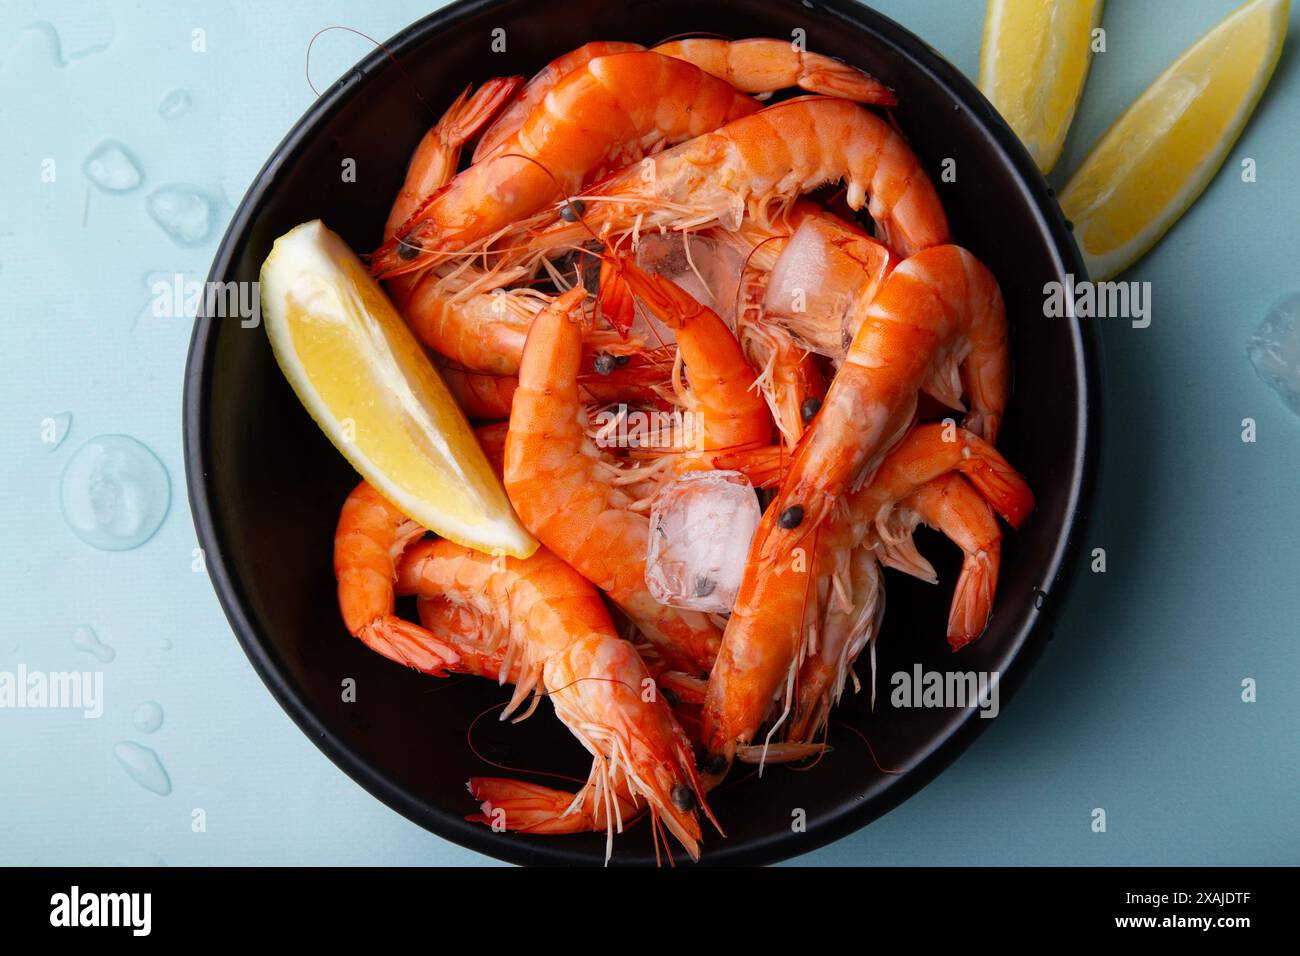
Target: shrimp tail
[474, 112]
[532, 808]
[614, 298]
[1000, 484]
[972, 600]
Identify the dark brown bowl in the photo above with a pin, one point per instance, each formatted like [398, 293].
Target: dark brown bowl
[265, 485]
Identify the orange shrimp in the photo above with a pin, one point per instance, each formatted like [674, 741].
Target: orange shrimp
[939, 314]
[481, 331]
[531, 96]
[789, 378]
[951, 505]
[435, 158]
[851, 623]
[758, 166]
[729, 411]
[607, 113]
[479, 394]
[371, 536]
[555, 625]
[765, 66]
[766, 638]
[948, 503]
[559, 485]
[437, 155]
[527, 807]
[462, 627]
[757, 66]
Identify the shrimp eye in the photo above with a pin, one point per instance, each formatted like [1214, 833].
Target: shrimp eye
[570, 211]
[407, 250]
[683, 797]
[791, 517]
[714, 763]
[605, 363]
[809, 408]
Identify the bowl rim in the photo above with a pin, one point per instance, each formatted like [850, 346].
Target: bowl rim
[1040, 199]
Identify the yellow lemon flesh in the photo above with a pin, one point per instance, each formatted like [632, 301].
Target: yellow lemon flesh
[1163, 151]
[370, 386]
[1033, 65]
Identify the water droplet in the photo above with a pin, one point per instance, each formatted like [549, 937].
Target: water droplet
[115, 493]
[55, 429]
[184, 212]
[143, 766]
[85, 639]
[175, 104]
[112, 168]
[148, 717]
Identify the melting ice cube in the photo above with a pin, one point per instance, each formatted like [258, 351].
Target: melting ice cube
[1274, 349]
[701, 524]
[111, 168]
[707, 269]
[184, 212]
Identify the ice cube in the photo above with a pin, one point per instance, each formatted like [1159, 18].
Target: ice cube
[184, 212]
[112, 168]
[707, 269]
[1274, 349]
[701, 524]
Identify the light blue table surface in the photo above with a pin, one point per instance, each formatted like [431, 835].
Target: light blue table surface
[1135, 708]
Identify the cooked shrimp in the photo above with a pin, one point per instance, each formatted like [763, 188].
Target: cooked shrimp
[480, 395]
[437, 155]
[371, 536]
[531, 96]
[765, 641]
[851, 623]
[765, 66]
[940, 313]
[435, 158]
[480, 331]
[788, 375]
[611, 111]
[948, 503]
[555, 625]
[728, 409]
[758, 166]
[758, 66]
[560, 487]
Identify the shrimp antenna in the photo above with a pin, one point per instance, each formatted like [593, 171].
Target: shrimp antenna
[575, 206]
[388, 53]
[469, 739]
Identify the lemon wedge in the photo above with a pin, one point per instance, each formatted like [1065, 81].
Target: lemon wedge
[1163, 151]
[372, 389]
[1033, 65]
